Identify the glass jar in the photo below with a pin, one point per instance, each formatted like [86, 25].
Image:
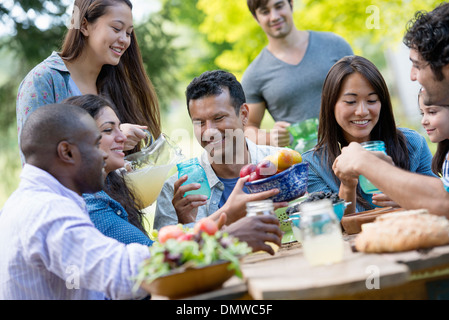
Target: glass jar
[260, 208]
[195, 174]
[321, 236]
[365, 184]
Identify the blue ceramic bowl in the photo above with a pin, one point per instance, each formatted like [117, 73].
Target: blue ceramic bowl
[292, 183]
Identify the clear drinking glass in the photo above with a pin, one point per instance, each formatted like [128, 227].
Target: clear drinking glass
[195, 174]
[260, 208]
[321, 236]
[365, 184]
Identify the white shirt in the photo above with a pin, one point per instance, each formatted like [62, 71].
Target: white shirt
[166, 213]
[50, 249]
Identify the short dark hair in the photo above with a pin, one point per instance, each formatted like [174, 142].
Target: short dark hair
[253, 5]
[49, 125]
[211, 83]
[428, 33]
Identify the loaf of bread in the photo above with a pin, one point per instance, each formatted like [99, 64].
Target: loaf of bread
[402, 231]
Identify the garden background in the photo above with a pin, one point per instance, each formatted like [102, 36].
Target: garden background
[180, 39]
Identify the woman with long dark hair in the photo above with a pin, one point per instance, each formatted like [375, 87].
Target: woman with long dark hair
[99, 55]
[356, 106]
[115, 210]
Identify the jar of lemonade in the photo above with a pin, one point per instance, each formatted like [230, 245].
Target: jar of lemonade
[321, 236]
[195, 174]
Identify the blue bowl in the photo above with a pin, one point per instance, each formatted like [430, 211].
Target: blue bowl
[339, 208]
[292, 183]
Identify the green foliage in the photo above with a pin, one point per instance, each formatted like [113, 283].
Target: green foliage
[160, 57]
[198, 52]
[369, 27]
[29, 45]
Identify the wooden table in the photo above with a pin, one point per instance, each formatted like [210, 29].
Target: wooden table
[287, 275]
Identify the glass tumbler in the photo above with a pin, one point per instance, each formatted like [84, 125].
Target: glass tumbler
[195, 174]
[365, 184]
[260, 208]
[321, 236]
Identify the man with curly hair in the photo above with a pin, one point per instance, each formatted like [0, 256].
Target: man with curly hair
[427, 37]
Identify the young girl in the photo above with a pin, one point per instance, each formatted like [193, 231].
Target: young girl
[435, 120]
[99, 55]
[356, 107]
[114, 211]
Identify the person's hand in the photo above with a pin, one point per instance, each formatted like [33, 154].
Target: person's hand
[383, 156]
[347, 180]
[235, 206]
[279, 135]
[382, 200]
[344, 164]
[187, 207]
[350, 158]
[256, 230]
[134, 134]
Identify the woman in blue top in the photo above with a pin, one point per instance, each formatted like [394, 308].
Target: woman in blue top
[356, 106]
[115, 210]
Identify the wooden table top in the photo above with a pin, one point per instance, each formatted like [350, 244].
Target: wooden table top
[287, 275]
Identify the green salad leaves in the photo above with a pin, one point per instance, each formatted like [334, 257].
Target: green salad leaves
[202, 250]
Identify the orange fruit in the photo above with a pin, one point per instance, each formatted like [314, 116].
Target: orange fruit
[284, 159]
[297, 158]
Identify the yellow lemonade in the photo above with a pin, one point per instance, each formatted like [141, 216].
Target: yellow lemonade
[326, 248]
[147, 182]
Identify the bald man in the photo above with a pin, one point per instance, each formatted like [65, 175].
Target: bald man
[49, 247]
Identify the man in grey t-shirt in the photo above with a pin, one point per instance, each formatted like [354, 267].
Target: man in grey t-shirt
[287, 76]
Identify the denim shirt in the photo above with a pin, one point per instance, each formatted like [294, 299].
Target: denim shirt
[111, 219]
[46, 83]
[321, 177]
[166, 213]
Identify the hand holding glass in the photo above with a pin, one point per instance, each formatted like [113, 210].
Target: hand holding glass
[195, 174]
[365, 184]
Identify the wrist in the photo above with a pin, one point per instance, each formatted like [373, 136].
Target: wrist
[360, 162]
